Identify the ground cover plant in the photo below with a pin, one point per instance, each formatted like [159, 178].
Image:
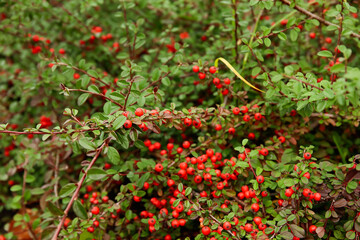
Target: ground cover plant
[135, 119]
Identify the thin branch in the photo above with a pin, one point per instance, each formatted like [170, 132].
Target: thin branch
[310, 14]
[303, 82]
[96, 94]
[77, 190]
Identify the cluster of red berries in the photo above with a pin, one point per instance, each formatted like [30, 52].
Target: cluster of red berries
[45, 122]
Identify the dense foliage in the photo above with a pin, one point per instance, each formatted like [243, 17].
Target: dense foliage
[179, 119]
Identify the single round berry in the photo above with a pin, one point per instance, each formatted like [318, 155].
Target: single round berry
[312, 35]
[236, 110]
[212, 69]
[170, 183]
[282, 139]
[246, 118]
[202, 75]
[159, 167]
[95, 210]
[187, 122]
[90, 229]
[244, 109]
[312, 229]
[264, 152]
[128, 124]
[248, 227]
[227, 225]
[289, 192]
[139, 112]
[218, 127]
[258, 116]
[206, 230]
[255, 207]
[196, 69]
[307, 155]
[186, 144]
[251, 136]
[216, 81]
[227, 81]
[317, 196]
[280, 202]
[307, 175]
[175, 223]
[220, 186]
[231, 131]
[151, 221]
[260, 179]
[76, 76]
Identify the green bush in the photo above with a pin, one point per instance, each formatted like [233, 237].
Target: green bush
[179, 119]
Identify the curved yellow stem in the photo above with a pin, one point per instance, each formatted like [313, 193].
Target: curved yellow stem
[234, 71]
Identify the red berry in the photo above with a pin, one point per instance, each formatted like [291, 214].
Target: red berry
[220, 186]
[260, 179]
[307, 175]
[246, 118]
[264, 152]
[312, 35]
[307, 155]
[175, 223]
[151, 221]
[257, 220]
[280, 202]
[128, 124]
[258, 116]
[248, 227]
[289, 192]
[284, 22]
[227, 81]
[139, 112]
[244, 109]
[312, 229]
[255, 207]
[231, 131]
[306, 192]
[202, 75]
[90, 229]
[76, 76]
[218, 127]
[196, 69]
[62, 51]
[206, 230]
[264, 193]
[212, 69]
[282, 139]
[251, 136]
[186, 144]
[159, 167]
[227, 225]
[170, 183]
[317, 196]
[95, 210]
[187, 122]
[328, 40]
[216, 81]
[236, 110]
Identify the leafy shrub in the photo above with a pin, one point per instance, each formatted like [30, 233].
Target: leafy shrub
[180, 119]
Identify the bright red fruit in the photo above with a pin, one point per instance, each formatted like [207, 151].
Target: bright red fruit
[212, 69]
[196, 69]
[95, 210]
[206, 230]
[159, 167]
[128, 124]
[139, 112]
[227, 225]
[312, 229]
[260, 179]
[307, 155]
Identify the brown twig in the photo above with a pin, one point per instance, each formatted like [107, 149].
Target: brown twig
[310, 14]
[77, 190]
[96, 94]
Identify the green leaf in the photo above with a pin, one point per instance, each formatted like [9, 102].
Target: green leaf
[297, 231]
[267, 42]
[96, 174]
[287, 235]
[85, 143]
[93, 73]
[119, 122]
[282, 36]
[188, 191]
[15, 188]
[67, 190]
[166, 81]
[113, 156]
[325, 53]
[82, 98]
[54, 210]
[180, 187]
[143, 179]
[79, 210]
